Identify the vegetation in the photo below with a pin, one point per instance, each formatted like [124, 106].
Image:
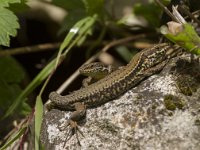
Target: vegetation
[91, 27]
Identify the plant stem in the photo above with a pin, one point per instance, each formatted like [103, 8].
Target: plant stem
[29, 49]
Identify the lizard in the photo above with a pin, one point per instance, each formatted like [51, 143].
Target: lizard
[145, 63]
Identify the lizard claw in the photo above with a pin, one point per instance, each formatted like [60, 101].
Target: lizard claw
[75, 118]
[74, 129]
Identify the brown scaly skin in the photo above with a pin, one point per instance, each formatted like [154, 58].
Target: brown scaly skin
[143, 64]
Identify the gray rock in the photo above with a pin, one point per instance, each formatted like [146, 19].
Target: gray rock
[161, 113]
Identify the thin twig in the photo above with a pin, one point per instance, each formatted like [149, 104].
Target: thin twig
[196, 12]
[166, 10]
[183, 9]
[29, 49]
[94, 57]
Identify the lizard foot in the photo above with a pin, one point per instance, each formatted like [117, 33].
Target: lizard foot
[77, 117]
[73, 130]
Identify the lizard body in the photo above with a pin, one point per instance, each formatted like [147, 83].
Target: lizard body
[142, 65]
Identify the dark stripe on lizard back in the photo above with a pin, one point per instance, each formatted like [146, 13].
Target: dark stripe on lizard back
[118, 81]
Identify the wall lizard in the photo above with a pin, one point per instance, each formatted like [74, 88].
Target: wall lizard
[142, 65]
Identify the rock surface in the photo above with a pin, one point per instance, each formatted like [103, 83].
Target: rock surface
[161, 113]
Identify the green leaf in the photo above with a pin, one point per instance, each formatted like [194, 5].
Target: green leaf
[72, 33]
[14, 138]
[8, 93]
[186, 37]
[78, 30]
[11, 71]
[8, 22]
[76, 33]
[75, 12]
[11, 77]
[124, 53]
[34, 83]
[150, 12]
[69, 4]
[94, 7]
[19, 7]
[38, 121]
[86, 30]
[5, 3]
[25, 109]
[72, 17]
[8, 26]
